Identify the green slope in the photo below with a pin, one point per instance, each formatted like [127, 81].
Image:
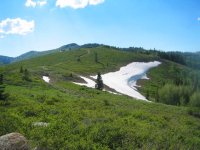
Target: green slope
[83, 118]
[83, 60]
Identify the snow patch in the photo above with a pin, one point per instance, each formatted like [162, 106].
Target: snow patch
[46, 79]
[125, 80]
[89, 83]
[111, 92]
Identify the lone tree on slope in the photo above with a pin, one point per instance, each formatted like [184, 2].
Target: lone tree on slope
[21, 69]
[26, 75]
[3, 95]
[96, 59]
[99, 82]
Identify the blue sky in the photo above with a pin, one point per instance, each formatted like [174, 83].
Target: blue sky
[170, 25]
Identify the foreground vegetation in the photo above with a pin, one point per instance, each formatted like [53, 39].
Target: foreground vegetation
[81, 118]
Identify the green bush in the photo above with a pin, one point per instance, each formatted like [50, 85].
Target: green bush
[195, 100]
[194, 111]
[9, 123]
[175, 95]
[169, 94]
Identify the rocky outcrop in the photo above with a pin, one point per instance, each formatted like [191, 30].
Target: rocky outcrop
[13, 141]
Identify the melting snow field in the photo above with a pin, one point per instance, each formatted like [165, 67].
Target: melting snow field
[46, 79]
[89, 83]
[124, 81]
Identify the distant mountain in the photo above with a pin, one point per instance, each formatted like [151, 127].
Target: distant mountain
[31, 54]
[27, 55]
[5, 60]
[71, 46]
[186, 58]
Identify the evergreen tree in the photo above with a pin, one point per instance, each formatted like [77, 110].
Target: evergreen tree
[26, 75]
[21, 69]
[157, 96]
[78, 59]
[99, 82]
[147, 94]
[96, 58]
[3, 95]
[1, 79]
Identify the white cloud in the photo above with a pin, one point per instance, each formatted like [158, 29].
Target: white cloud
[77, 3]
[16, 26]
[198, 18]
[34, 3]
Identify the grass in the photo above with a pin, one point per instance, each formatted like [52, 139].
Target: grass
[83, 118]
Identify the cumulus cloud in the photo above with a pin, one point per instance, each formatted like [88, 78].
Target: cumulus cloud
[16, 26]
[34, 3]
[77, 3]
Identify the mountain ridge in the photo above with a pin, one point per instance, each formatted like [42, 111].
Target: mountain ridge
[186, 58]
[31, 54]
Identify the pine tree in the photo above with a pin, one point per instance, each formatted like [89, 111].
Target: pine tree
[21, 69]
[26, 75]
[157, 96]
[99, 82]
[96, 58]
[3, 95]
[1, 79]
[147, 94]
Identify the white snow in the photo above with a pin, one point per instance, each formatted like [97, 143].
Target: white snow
[46, 79]
[124, 81]
[89, 83]
[111, 92]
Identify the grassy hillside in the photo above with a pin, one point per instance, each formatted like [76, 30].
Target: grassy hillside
[83, 118]
[32, 54]
[82, 61]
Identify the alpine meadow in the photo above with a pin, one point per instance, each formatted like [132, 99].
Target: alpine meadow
[140, 89]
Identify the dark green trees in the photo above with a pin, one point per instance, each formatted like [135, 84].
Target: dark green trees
[99, 82]
[169, 94]
[25, 74]
[147, 94]
[195, 100]
[175, 95]
[21, 70]
[3, 95]
[96, 59]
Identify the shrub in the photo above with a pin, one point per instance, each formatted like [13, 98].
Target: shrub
[175, 95]
[195, 100]
[169, 94]
[30, 113]
[194, 111]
